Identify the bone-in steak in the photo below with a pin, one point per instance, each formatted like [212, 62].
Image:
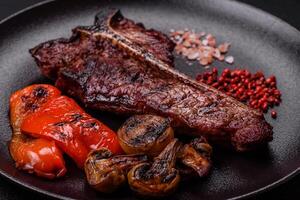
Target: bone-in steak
[120, 66]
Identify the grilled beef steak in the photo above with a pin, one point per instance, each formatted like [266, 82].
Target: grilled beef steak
[119, 66]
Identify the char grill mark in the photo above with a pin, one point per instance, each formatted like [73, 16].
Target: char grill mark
[146, 131]
[108, 69]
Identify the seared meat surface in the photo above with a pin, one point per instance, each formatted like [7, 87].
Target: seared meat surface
[53, 55]
[119, 66]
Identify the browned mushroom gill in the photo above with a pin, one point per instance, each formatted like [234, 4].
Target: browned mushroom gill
[106, 172]
[159, 178]
[148, 134]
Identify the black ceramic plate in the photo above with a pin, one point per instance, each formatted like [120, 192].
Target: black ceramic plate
[259, 42]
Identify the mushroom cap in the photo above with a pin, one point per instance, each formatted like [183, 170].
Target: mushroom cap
[106, 172]
[152, 185]
[148, 134]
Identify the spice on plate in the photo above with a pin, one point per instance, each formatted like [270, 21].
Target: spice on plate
[255, 90]
[200, 46]
[274, 114]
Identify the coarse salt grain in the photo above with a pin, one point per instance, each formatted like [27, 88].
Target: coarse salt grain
[200, 46]
[229, 59]
[224, 47]
[205, 42]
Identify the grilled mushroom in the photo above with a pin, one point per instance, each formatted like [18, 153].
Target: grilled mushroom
[159, 178]
[195, 155]
[106, 173]
[148, 134]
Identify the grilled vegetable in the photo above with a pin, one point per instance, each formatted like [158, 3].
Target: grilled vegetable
[106, 173]
[148, 134]
[73, 130]
[39, 156]
[159, 178]
[195, 155]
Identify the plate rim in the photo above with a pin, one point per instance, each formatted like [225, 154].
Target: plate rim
[253, 193]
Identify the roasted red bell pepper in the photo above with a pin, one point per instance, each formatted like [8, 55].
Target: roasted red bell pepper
[73, 130]
[39, 156]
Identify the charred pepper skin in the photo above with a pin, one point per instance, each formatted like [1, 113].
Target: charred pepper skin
[38, 156]
[73, 130]
[46, 124]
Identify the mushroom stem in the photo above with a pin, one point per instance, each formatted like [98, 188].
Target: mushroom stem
[196, 156]
[166, 159]
[158, 179]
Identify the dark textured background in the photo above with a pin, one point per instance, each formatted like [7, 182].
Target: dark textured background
[287, 10]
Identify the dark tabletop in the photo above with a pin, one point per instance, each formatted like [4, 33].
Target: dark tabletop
[288, 10]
